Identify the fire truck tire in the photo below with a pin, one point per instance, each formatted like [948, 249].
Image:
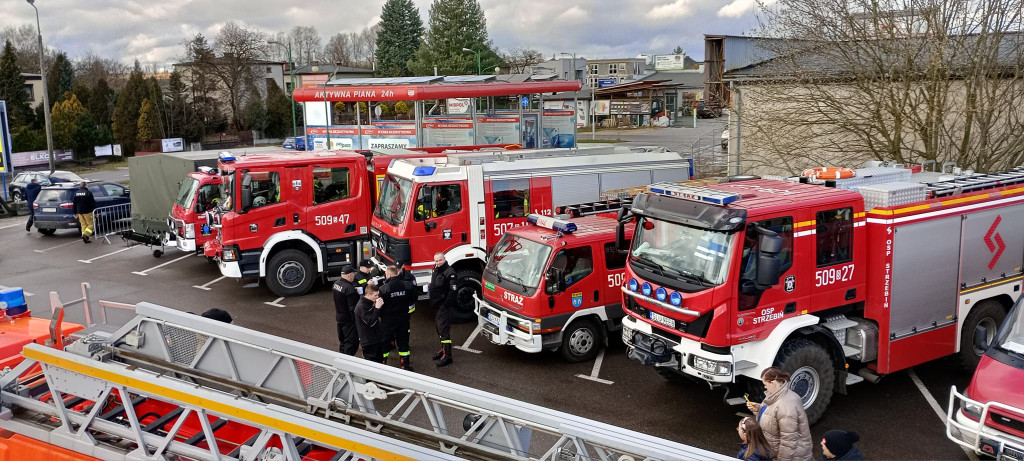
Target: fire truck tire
[989, 313]
[812, 374]
[581, 341]
[467, 284]
[46, 231]
[290, 273]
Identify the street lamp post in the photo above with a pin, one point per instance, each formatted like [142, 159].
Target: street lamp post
[291, 68]
[46, 97]
[479, 69]
[327, 105]
[575, 98]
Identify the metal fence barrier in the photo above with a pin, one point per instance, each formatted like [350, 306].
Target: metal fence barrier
[111, 220]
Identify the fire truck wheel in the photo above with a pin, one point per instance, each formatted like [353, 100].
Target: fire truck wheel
[467, 284]
[581, 341]
[812, 375]
[989, 313]
[290, 273]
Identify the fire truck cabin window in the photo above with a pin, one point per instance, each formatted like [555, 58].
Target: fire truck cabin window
[265, 187]
[511, 198]
[329, 184]
[834, 236]
[438, 200]
[612, 258]
[210, 193]
[783, 226]
[575, 264]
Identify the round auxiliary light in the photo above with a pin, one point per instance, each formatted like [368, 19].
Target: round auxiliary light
[660, 293]
[645, 289]
[633, 285]
[675, 298]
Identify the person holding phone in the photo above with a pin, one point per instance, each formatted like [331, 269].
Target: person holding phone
[782, 418]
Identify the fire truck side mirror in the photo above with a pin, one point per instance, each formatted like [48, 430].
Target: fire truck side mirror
[981, 338]
[769, 266]
[430, 225]
[200, 201]
[553, 280]
[246, 202]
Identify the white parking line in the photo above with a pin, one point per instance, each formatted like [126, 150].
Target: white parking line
[89, 261]
[274, 302]
[143, 273]
[472, 336]
[206, 286]
[25, 292]
[22, 224]
[59, 246]
[596, 370]
[938, 409]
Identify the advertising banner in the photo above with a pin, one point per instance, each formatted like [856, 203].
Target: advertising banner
[103, 151]
[458, 105]
[670, 62]
[342, 137]
[5, 140]
[630, 108]
[601, 107]
[498, 129]
[603, 82]
[389, 135]
[582, 113]
[173, 144]
[312, 80]
[40, 157]
[559, 128]
[440, 132]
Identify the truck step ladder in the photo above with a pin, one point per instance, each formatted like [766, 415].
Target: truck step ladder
[171, 384]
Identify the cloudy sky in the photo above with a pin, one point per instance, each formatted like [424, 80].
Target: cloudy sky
[152, 30]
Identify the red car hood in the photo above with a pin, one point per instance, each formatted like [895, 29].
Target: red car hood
[997, 381]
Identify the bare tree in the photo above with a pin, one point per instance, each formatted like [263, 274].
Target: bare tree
[90, 68]
[518, 59]
[306, 45]
[236, 70]
[279, 53]
[338, 51]
[904, 80]
[23, 38]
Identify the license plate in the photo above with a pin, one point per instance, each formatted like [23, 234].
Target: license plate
[493, 318]
[663, 320]
[50, 210]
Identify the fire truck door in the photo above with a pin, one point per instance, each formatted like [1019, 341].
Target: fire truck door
[758, 309]
[270, 205]
[336, 208]
[834, 281]
[579, 287]
[615, 276]
[440, 219]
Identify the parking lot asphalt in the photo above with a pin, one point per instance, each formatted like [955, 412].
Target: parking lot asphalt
[894, 417]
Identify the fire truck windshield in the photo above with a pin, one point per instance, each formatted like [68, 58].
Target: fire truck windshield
[519, 261]
[1011, 335]
[185, 192]
[698, 255]
[395, 194]
[227, 189]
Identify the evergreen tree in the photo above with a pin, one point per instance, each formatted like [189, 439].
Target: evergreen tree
[60, 78]
[64, 120]
[101, 100]
[148, 128]
[254, 113]
[180, 118]
[12, 89]
[454, 25]
[126, 112]
[156, 97]
[401, 31]
[279, 112]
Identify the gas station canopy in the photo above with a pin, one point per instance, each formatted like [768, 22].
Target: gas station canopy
[427, 88]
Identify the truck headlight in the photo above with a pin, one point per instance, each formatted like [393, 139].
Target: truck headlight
[190, 231]
[229, 254]
[711, 367]
[528, 326]
[971, 409]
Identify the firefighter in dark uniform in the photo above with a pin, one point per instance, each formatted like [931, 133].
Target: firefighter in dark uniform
[363, 275]
[367, 318]
[345, 298]
[395, 314]
[442, 296]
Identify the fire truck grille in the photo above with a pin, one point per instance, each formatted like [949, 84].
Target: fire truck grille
[1013, 423]
[632, 305]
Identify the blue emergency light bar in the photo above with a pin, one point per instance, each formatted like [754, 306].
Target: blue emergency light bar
[560, 225]
[423, 171]
[227, 157]
[694, 194]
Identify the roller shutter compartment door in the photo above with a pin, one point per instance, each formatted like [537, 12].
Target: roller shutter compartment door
[573, 189]
[672, 175]
[622, 180]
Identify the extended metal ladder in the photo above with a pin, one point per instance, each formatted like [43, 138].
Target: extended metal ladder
[591, 208]
[169, 383]
[974, 182]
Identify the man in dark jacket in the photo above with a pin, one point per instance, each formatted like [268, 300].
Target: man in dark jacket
[367, 316]
[363, 275]
[345, 298]
[395, 291]
[31, 192]
[84, 203]
[442, 296]
[839, 445]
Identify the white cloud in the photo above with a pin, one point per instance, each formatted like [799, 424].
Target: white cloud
[574, 15]
[740, 8]
[676, 9]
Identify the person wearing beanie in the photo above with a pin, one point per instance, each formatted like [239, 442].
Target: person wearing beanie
[219, 315]
[839, 445]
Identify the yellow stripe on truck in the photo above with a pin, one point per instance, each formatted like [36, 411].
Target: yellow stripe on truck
[256, 418]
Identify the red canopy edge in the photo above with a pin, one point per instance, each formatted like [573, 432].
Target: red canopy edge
[425, 92]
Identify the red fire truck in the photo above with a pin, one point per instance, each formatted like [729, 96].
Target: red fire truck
[831, 285]
[989, 416]
[463, 203]
[554, 285]
[189, 222]
[290, 216]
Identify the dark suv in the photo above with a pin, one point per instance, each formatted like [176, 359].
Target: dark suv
[54, 209]
[17, 186]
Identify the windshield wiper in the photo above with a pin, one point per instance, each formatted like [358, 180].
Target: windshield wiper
[697, 276]
[651, 265]
[517, 280]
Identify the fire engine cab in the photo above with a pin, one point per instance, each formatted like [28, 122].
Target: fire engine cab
[462, 204]
[832, 285]
[193, 209]
[554, 285]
